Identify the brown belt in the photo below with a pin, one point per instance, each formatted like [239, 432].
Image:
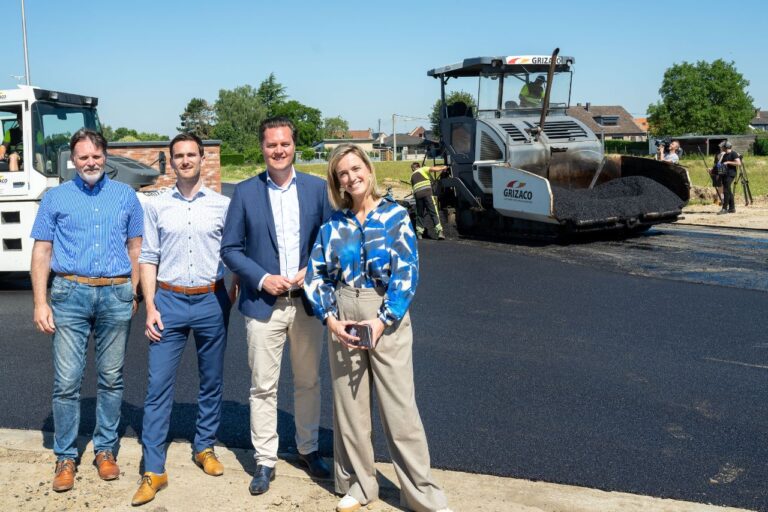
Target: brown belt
[95, 281]
[192, 290]
[292, 294]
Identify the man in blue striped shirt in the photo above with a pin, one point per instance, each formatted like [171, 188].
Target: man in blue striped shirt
[180, 256]
[88, 231]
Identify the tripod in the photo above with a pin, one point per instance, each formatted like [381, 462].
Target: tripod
[706, 168]
[744, 179]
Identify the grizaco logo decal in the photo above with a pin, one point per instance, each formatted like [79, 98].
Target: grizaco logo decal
[532, 59]
[516, 191]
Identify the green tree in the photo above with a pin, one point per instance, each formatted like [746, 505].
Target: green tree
[198, 118]
[335, 128]
[271, 93]
[123, 134]
[238, 114]
[450, 99]
[701, 98]
[151, 136]
[307, 154]
[308, 121]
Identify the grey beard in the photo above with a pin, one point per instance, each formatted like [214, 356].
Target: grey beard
[90, 179]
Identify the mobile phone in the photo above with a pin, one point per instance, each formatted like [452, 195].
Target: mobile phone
[362, 331]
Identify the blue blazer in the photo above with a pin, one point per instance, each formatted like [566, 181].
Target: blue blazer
[249, 243]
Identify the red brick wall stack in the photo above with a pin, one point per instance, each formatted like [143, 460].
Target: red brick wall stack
[147, 153]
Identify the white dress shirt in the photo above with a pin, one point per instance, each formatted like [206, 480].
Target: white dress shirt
[285, 211]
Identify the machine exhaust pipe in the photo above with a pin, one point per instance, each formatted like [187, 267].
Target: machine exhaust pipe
[550, 75]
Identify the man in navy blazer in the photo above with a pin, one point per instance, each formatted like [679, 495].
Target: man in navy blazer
[272, 222]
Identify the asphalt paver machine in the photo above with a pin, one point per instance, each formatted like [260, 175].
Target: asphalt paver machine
[520, 165]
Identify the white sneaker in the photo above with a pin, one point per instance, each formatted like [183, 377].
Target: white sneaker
[348, 504]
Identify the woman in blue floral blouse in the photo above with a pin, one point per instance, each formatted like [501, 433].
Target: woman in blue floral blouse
[364, 269]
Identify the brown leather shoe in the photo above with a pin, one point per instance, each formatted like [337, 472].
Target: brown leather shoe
[108, 468]
[207, 460]
[65, 475]
[150, 484]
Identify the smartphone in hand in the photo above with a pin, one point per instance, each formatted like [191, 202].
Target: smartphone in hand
[362, 331]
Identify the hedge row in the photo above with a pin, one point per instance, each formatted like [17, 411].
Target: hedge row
[232, 159]
[626, 147]
[761, 146]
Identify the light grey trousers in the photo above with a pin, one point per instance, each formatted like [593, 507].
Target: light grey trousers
[266, 340]
[389, 369]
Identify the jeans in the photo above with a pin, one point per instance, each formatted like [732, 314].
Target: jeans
[78, 311]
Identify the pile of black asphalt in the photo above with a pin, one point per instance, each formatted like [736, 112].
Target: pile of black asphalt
[624, 198]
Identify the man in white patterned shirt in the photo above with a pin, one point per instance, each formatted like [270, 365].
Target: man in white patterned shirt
[180, 256]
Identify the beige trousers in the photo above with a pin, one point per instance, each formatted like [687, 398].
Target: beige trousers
[266, 339]
[389, 370]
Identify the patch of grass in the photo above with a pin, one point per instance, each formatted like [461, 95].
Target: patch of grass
[386, 172]
[757, 172]
[392, 173]
[236, 173]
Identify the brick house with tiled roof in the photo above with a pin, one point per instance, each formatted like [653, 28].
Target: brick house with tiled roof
[363, 138]
[612, 121]
[422, 133]
[361, 134]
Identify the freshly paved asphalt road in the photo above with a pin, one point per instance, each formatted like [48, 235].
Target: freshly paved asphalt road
[559, 368]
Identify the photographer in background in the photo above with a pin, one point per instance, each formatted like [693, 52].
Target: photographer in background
[717, 182]
[668, 152]
[729, 164]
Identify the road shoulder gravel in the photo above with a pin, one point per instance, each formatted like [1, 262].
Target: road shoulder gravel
[26, 468]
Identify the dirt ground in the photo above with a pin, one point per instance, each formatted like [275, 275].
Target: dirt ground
[26, 470]
[754, 216]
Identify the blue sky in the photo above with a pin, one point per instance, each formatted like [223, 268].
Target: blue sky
[364, 61]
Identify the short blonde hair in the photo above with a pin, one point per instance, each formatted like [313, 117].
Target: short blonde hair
[339, 198]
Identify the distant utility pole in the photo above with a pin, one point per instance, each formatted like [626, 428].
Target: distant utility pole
[24, 34]
[394, 140]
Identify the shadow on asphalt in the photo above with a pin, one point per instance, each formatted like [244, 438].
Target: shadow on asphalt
[15, 281]
[234, 431]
